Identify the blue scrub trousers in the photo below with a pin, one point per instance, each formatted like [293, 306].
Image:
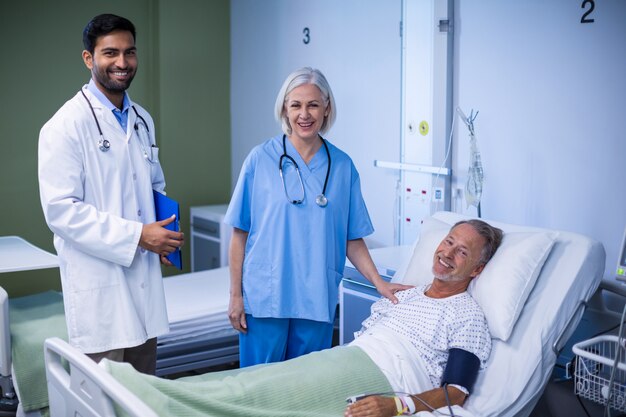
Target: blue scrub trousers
[275, 340]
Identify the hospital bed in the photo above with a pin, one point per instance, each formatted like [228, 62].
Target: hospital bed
[200, 333]
[551, 275]
[16, 254]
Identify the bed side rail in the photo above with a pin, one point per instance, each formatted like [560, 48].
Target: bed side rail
[5, 334]
[78, 386]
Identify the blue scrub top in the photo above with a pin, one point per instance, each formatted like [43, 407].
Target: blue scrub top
[295, 254]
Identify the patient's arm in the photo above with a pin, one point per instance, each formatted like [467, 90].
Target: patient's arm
[379, 406]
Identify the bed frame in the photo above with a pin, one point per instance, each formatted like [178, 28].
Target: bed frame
[196, 353]
[84, 389]
[569, 278]
[16, 254]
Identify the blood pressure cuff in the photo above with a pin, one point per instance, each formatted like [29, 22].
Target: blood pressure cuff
[461, 369]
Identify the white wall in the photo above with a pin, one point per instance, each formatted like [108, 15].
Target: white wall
[356, 44]
[426, 102]
[551, 94]
[549, 89]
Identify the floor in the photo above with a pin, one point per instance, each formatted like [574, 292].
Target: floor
[559, 400]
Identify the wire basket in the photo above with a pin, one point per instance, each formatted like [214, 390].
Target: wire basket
[594, 364]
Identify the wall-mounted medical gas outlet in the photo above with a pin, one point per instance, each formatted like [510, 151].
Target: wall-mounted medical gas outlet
[438, 195]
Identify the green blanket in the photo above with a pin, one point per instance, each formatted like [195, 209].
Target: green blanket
[33, 319]
[313, 385]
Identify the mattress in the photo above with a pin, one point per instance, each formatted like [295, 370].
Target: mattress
[197, 305]
[200, 333]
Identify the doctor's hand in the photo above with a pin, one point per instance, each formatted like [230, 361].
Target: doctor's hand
[156, 238]
[372, 406]
[236, 314]
[165, 261]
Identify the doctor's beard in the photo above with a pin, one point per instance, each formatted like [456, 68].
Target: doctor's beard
[103, 78]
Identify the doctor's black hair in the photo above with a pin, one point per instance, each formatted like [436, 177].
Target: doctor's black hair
[104, 24]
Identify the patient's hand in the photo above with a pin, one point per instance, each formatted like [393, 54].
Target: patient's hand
[374, 405]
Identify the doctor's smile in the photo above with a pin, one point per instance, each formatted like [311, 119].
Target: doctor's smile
[120, 74]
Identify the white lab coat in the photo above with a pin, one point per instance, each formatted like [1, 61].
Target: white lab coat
[96, 203]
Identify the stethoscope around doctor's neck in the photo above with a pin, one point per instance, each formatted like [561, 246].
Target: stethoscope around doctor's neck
[321, 199]
[104, 145]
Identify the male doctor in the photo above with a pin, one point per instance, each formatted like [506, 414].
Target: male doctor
[98, 165]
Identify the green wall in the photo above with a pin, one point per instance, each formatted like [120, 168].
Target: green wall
[183, 80]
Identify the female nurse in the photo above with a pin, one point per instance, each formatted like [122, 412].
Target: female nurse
[297, 212]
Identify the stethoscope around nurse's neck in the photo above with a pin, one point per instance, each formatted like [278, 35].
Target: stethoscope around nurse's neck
[104, 145]
[321, 199]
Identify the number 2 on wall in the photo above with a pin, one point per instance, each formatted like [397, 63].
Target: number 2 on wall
[592, 5]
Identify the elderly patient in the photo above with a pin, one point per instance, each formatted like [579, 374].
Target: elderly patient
[439, 323]
[431, 344]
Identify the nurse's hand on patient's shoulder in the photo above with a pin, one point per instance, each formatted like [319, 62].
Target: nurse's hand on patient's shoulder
[237, 314]
[156, 238]
[389, 289]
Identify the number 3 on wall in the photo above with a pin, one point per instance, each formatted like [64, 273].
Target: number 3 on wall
[592, 5]
[307, 37]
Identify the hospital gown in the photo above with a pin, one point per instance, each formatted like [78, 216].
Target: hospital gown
[432, 326]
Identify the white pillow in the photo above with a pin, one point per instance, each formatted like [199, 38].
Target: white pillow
[503, 286]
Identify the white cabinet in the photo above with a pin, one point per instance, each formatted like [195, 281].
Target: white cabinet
[210, 237]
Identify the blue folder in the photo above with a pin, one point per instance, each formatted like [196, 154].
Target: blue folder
[164, 208]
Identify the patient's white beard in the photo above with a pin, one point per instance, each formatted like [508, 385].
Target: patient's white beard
[447, 277]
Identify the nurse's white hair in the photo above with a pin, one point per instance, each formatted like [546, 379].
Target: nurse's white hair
[305, 75]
